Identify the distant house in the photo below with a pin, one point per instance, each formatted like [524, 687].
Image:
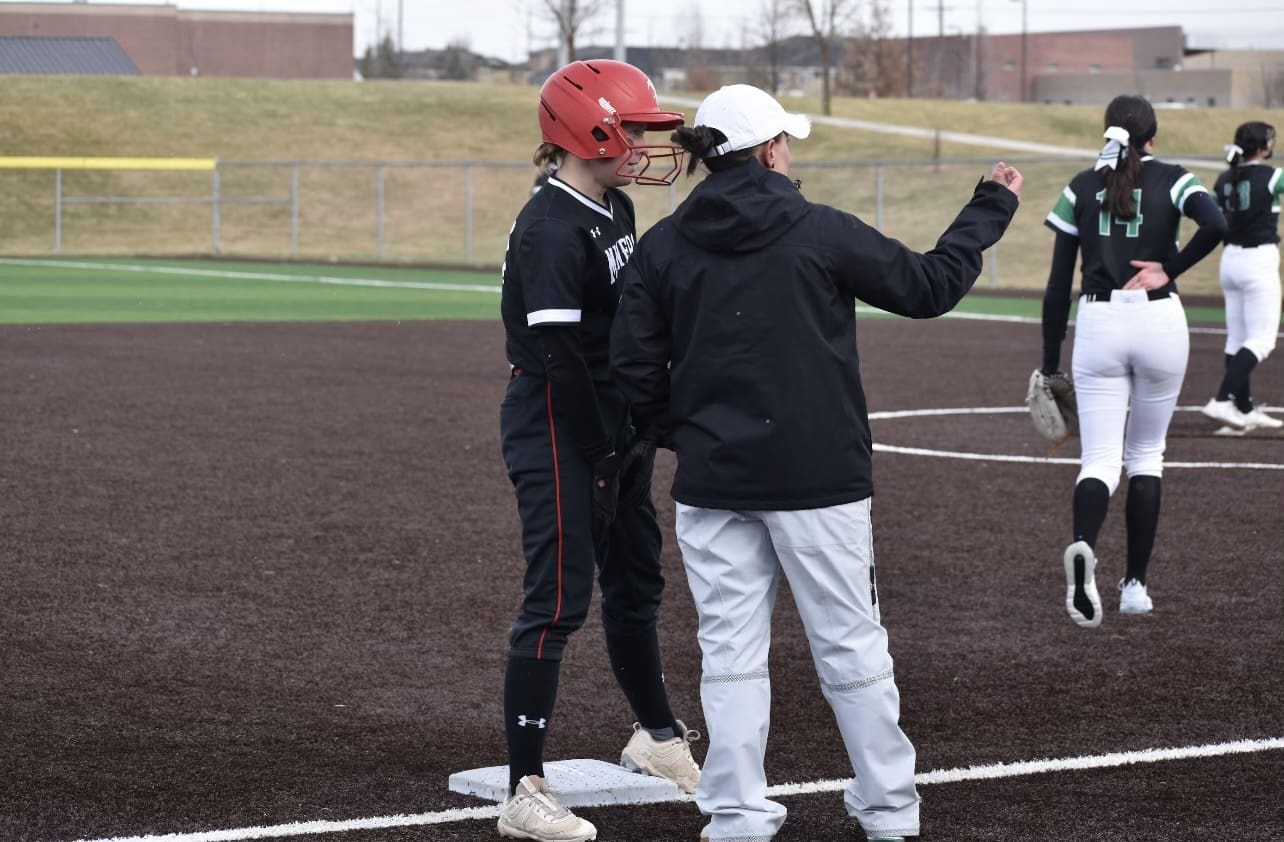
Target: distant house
[167, 41]
[1074, 67]
[457, 63]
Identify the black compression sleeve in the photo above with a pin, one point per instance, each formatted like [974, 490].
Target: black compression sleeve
[1212, 228]
[1056, 298]
[574, 392]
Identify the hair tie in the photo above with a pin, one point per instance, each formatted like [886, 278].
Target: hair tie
[1231, 151]
[1114, 150]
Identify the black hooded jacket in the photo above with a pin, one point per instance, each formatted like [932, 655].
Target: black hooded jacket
[736, 335]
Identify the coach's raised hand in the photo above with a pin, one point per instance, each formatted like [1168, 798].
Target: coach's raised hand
[1009, 177]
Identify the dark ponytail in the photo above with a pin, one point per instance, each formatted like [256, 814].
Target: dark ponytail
[701, 141]
[1136, 115]
[1251, 138]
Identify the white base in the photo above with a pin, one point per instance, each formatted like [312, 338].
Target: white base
[575, 783]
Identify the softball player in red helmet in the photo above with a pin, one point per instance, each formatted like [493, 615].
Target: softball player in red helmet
[581, 475]
[1131, 341]
[1249, 194]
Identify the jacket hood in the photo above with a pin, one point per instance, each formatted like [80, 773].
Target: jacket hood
[742, 209]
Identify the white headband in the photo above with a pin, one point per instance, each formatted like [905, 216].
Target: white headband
[1114, 150]
[1231, 151]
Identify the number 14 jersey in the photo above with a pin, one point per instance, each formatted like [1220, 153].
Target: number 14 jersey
[1108, 243]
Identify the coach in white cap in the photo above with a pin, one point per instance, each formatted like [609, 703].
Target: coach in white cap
[735, 342]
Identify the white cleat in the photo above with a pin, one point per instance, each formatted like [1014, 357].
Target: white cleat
[1258, 420]
[1225, 412]
[663, 758]
[1133, 598]
[533, 813]
[1083, 603]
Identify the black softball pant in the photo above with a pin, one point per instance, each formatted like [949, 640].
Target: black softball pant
[554, 486]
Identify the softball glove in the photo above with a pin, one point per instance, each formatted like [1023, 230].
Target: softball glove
[1053, 409]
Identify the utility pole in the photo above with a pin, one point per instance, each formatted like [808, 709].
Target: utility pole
[1024, 52]
[401, 27]
[938, 51]
[620, 51]
[563, 49]
[909, 53]
[1025, 34]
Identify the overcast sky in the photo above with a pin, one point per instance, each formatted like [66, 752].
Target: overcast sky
[508, 28]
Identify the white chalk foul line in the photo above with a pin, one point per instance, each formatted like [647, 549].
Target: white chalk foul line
[1065, 764]
[941, 776]
[251, 276]
[1029, 460]
[490, 289]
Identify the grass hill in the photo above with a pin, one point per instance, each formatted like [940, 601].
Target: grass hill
[435, 125]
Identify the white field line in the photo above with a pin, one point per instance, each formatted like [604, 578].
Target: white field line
[250, 276]
[940, 776]
[490, 289]
[1029, 460]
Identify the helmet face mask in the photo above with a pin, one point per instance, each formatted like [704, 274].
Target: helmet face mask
[652, 164]
[584, 109]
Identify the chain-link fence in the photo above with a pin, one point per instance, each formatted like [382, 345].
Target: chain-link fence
[460, 212]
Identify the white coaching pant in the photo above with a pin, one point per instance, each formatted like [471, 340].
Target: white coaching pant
[1129, 362]
[1250, 279]
[733, 562]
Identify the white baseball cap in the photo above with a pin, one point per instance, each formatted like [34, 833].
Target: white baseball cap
[748, 116]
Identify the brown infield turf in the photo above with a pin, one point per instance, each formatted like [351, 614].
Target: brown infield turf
[259, 574]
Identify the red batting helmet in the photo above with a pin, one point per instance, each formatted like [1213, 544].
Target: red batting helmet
[584, 106]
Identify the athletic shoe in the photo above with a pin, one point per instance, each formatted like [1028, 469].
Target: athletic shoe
[533, 813]
[1225, 412]
[1258, 420]
[885, 839]
[663, 758]
[1133, 598]
[1082, 601]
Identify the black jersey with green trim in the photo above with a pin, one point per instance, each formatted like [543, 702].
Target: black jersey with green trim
[1109, 244]
[1250, 198]
[565, 253]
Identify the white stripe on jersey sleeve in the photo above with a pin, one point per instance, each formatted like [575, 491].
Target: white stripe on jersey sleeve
[1183, 190]
[1067, 198]
[1061, 225]
[1273, 186]
[553, 317]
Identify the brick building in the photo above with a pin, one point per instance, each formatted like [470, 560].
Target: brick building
[167, 41]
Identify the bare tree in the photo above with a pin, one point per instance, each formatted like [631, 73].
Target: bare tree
[569, 16]
[458, 61]
[872, 65]
[699, 74]
[829, 19]
[1272, 84]
[382, 61]
[773, 26]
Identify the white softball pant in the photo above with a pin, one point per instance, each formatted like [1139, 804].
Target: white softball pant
[1129, 361]
[733, 562]
[1250, 279]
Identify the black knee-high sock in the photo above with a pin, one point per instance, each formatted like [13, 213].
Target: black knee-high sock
[1142, 515]
[530, 690]
[1223, 391]
[1091, 502]
[635, 660]
[1236, 382]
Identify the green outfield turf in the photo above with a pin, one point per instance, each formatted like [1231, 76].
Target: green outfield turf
[104, 290]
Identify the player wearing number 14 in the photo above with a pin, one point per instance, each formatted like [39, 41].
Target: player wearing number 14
[1131, 341]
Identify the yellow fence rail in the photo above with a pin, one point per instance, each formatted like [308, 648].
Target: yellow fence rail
[172, 164]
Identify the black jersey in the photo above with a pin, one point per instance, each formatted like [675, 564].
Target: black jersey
[1109, 244]
[1251, 202]
[565, 252]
